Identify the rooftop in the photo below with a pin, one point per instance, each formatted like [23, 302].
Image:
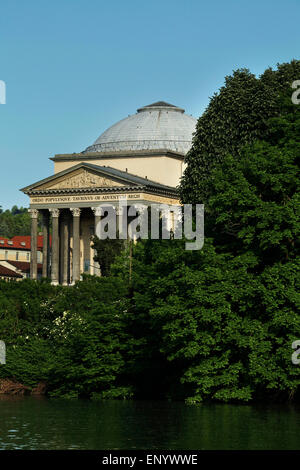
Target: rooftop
[23, 266]
[159, 125]
[20, 242]
[5, 272]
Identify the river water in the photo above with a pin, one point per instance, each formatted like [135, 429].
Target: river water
[39, 424]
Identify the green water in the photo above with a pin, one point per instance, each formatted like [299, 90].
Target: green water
[39, 423]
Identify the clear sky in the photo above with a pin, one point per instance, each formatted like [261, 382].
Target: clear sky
[74, 67]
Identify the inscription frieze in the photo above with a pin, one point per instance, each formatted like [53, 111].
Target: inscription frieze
[91, 198]
[87, 198]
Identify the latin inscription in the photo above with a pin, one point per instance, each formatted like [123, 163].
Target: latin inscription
[90, 198]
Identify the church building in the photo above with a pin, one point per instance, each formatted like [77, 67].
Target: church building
[140, 159]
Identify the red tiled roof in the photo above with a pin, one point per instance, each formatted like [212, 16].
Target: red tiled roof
[23, 266]
[5, 272]
[20, 242]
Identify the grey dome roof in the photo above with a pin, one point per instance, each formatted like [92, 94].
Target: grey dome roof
[157, 126]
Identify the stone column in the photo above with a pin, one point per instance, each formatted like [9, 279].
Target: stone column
[33, 245]
[46, 250]
[76, 243]
[97, 212]
[55, 247]
[122, 221]
[65, 250]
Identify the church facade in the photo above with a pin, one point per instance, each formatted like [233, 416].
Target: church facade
[138, 160]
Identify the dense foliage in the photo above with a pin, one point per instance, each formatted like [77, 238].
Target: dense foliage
[14, 222]
[74, 339]
[237, 115]
[225, 329]
[106, 252]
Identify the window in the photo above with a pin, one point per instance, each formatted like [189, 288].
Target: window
[17, 256]
[27, 256]
[6, 255]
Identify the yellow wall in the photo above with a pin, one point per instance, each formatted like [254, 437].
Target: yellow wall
[11, 255]
[164, 170]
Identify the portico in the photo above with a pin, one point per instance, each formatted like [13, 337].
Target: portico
[71, 214]
[70, 244]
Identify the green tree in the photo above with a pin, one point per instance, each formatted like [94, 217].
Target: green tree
[107, 250]
[237, 115]
[75, 339]
[225, 317]
[15, 222]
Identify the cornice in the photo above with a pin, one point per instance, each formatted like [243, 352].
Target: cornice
[124, 154]
[127, 189]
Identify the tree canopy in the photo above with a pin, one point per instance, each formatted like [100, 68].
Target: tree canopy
[15, 221]
[237, 115]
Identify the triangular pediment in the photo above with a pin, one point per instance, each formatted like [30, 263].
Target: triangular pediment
[86, 176]
[81, 178]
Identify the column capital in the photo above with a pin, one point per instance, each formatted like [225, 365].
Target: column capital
[54, 212]
[75, 211]
[97, 211]
[34, 213]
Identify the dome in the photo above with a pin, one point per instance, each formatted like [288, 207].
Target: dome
[157, 126]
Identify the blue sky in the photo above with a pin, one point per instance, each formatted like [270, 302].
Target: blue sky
[73, 68]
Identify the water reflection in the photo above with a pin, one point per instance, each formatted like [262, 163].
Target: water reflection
[39, 423]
